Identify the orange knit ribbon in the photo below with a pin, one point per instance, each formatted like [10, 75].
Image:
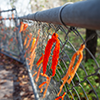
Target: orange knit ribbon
[61, 97]
[71, 71]
[55, 57]
[44, 59]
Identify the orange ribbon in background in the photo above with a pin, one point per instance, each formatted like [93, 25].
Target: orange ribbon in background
[61, 97]
[23, 26]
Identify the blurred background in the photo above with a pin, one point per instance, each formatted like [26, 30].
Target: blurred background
[30, 6]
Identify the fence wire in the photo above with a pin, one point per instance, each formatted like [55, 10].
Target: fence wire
[84, 85]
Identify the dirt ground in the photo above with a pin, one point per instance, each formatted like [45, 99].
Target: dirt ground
[6, 84]
[14, 80]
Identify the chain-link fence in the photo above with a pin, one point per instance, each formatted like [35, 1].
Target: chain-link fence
[70, 41]
[20, 46]
[9, 34]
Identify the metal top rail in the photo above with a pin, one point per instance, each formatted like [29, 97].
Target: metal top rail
[85, 14]
[7, 10]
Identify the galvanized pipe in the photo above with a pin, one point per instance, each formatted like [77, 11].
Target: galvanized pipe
[10, 52]
[11, 56]
[84, 14]
[7, 10]
[7, 18]
[32, 82]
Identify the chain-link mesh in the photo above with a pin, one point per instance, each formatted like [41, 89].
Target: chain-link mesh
[85, 84]
[70, 38]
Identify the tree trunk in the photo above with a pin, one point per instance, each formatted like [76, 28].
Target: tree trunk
[91, 44]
